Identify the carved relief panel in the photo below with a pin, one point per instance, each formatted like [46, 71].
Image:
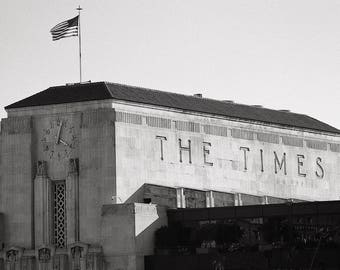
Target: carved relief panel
[44, 255]
[12, 258]
[78, 256]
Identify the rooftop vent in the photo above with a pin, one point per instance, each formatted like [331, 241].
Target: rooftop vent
[198, 95]
[89, 81]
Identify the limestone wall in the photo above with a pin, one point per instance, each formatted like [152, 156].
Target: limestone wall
[117, 148]
[127, 234]
[16, 181]
[211, 153]
[32, 160]
[85, 160]
[97, 170]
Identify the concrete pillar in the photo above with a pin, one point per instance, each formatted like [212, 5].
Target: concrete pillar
[42, 206]
[209, 198]
[72, 201]
[265, 200]
[238, 199]
[180, 197]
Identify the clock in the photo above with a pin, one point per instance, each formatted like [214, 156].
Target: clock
[59, 139]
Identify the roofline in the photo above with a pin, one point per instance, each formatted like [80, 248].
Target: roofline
[106, 83]
[197, 113]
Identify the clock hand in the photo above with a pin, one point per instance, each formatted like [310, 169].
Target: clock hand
[63, 142]
[57, 137]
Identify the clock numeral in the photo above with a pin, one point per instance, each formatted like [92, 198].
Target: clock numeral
[46, 148]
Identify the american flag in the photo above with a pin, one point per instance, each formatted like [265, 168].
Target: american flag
[65, 29]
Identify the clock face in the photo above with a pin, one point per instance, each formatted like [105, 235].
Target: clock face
[59, 139]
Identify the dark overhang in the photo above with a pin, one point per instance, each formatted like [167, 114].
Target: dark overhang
[255, 211]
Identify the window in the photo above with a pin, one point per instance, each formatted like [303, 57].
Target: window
[59, 213]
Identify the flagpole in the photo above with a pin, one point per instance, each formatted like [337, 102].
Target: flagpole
[79, 37]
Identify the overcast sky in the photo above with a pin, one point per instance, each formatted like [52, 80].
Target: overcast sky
[282, 54]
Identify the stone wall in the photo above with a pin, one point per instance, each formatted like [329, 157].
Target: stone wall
[127, 233]
[16, 180]
[143, 154]
[78, 256]
[210, 153]
[97, 170]
[32, 160]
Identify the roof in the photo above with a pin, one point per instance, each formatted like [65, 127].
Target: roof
[114, 91]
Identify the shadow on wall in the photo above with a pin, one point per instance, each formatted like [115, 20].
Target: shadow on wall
[155, 194]
[137, 196]
[128, 232]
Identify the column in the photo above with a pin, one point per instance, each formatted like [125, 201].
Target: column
[42, 206]
[72, 201]
[238, 199]
[209, 198]
[180, 197]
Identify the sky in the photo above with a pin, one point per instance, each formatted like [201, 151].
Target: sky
[281, 54]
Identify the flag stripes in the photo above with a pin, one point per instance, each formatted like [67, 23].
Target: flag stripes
[65, 29]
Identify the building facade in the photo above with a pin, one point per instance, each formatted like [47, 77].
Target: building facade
[87, 170]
